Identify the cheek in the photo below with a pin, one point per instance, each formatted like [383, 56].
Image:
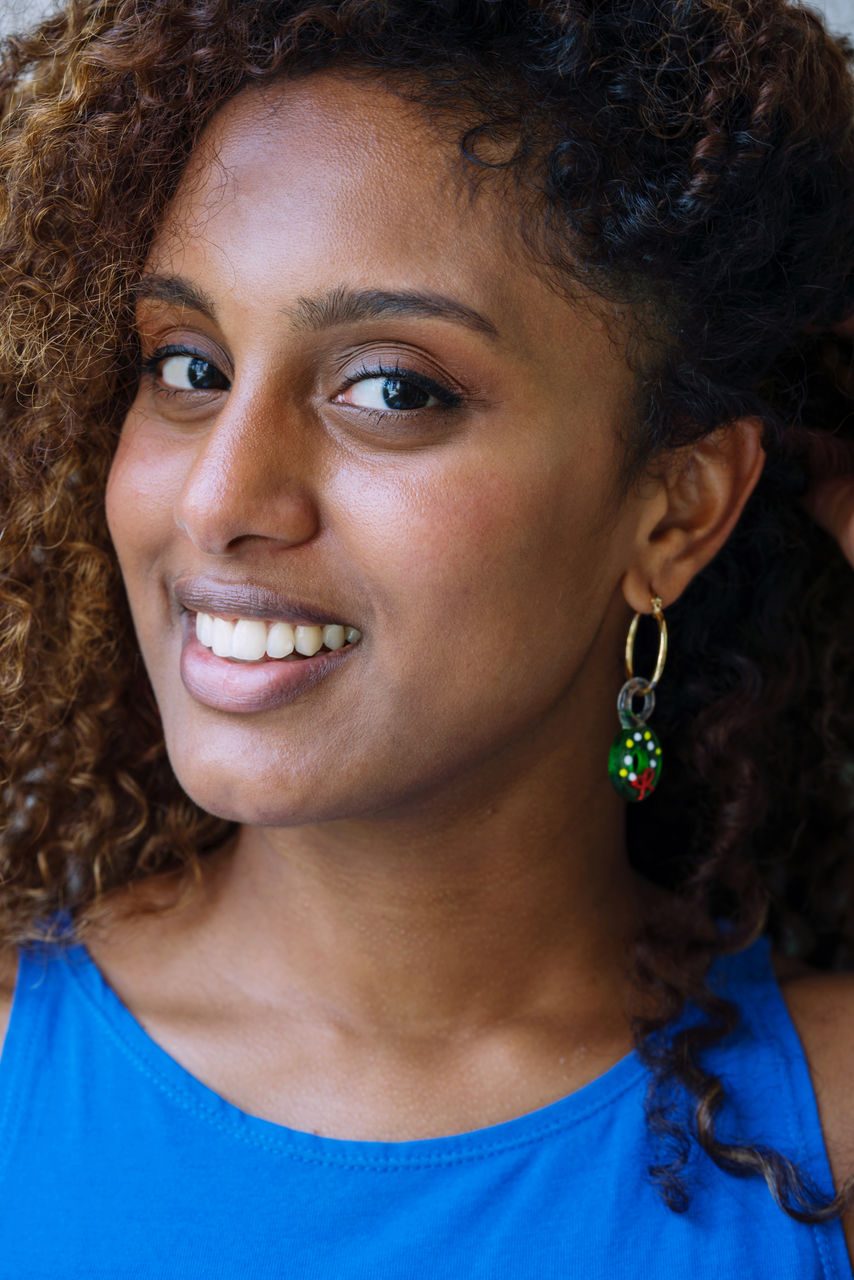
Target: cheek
[481, 549]
[139, 509]
[489, 581]
[139, 497]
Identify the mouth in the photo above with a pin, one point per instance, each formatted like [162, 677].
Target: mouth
[258, 640]
[246, 649]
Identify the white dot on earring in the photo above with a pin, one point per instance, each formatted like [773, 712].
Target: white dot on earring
[627, 759]
[637, 737]
[633, 777]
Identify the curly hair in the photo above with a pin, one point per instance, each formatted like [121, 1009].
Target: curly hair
[690, 159]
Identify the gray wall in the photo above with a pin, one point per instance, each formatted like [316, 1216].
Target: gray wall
[839, 13]
[17, 13]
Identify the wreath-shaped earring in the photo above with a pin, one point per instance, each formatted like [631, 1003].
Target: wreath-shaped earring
[634, 761]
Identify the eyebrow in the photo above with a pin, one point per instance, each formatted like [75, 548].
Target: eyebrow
[175, 291]
[335, 307]
[346, 306]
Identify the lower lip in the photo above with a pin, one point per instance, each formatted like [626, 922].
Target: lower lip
[246, 687]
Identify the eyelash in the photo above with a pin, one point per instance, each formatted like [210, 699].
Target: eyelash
[447, 398]
[150, 368]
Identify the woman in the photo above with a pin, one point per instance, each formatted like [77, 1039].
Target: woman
[397, 355]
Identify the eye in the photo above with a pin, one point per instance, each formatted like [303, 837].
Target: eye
[188, 373]
[185, 371]
[396, 391]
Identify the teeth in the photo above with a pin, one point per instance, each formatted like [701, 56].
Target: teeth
[204, 628]
[308, 640]
[221, 639]
[250, 640]
[333, 637]
[280, 640]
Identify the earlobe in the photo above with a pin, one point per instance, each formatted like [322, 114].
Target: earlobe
[705, 488]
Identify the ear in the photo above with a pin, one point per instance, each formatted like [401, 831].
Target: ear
[690, 509]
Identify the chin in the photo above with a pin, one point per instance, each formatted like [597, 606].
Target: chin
[272, 793]
[249, 801]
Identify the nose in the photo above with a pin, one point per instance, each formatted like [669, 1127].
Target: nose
[248, 477]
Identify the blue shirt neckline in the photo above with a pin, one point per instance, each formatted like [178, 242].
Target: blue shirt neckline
[191, 1094]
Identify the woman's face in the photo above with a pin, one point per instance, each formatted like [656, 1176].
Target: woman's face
[363, 407]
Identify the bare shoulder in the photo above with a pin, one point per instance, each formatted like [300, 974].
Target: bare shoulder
[8, 973]
[822, 1008]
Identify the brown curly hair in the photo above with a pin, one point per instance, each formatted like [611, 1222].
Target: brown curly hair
[693, 158]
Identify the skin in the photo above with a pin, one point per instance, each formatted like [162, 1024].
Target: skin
[830, 500]
[831, 504]
[421, 926]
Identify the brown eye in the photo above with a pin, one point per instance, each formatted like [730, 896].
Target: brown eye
[397, 390]
[390, 393]
[187, 372]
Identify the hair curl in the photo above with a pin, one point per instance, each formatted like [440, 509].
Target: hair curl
[692, 158]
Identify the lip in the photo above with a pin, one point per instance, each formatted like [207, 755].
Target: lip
[249, 687]
[249, 600]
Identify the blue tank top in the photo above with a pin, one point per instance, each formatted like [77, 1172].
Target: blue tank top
[117, 1164]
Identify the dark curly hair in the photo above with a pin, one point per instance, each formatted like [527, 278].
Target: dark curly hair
[691, 160]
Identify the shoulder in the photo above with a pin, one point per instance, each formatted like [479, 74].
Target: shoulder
[8, 973]
[821, 1006]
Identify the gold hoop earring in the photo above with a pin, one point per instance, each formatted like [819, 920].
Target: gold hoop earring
[634, 761]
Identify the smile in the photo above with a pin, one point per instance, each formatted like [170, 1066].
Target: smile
[253, 640]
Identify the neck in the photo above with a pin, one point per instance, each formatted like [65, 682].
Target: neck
[455, 915]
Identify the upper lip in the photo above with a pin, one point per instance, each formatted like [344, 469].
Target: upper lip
[247, 600]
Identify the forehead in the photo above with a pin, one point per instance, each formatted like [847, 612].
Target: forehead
[330, 182]
[325, 180]
[345, 162]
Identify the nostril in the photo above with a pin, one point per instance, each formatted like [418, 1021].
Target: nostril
[219, 516]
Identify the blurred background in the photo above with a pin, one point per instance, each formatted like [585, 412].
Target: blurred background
[15, 14]
[839, 13]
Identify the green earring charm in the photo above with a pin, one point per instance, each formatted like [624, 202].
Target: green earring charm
[634, 761]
